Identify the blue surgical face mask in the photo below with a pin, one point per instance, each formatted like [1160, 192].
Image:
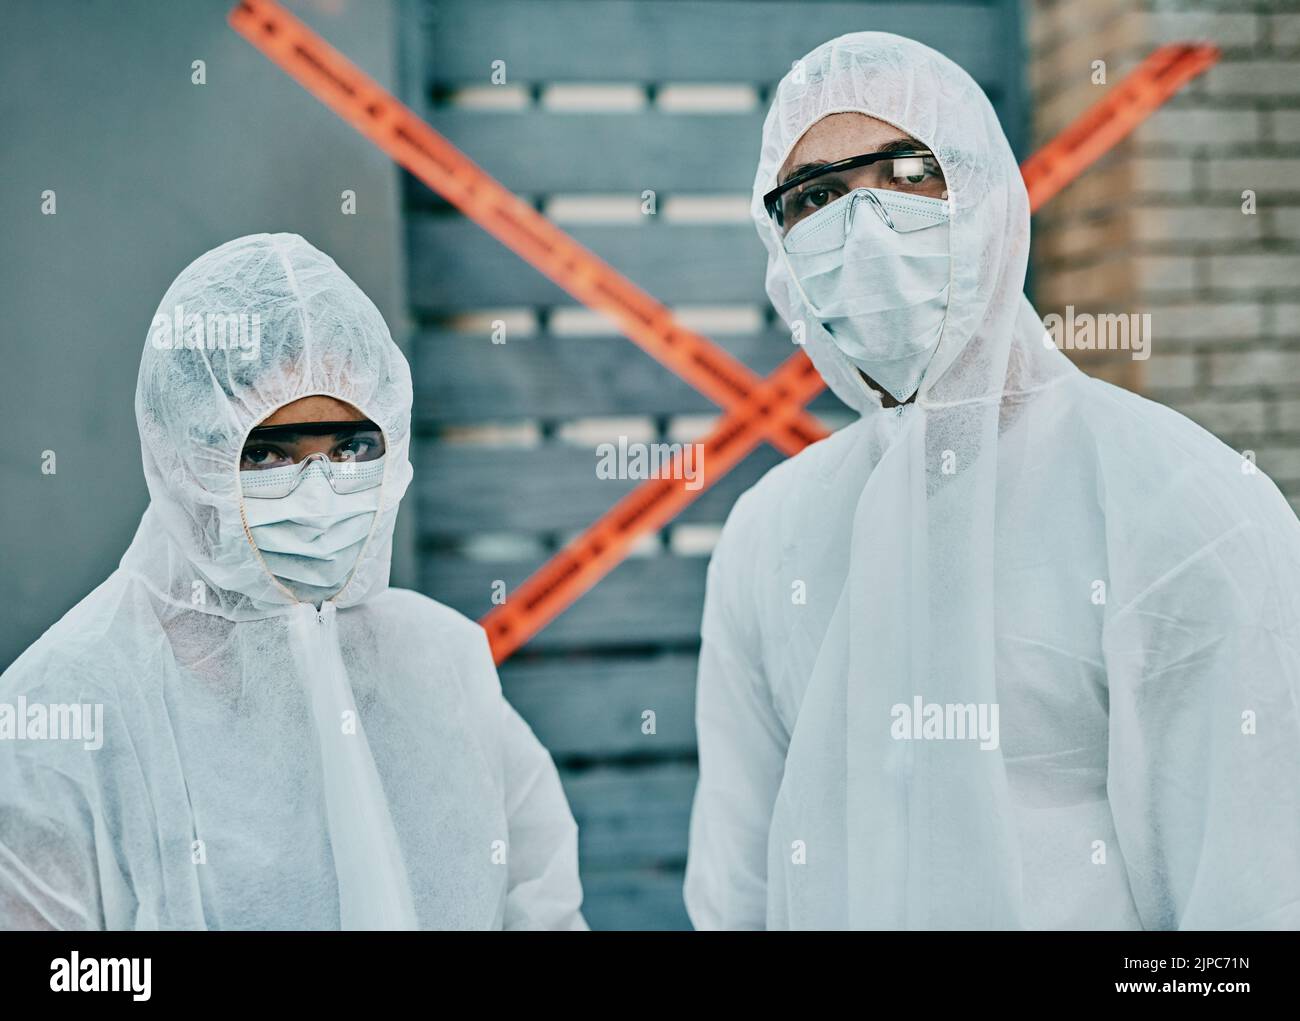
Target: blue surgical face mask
[873, 268]
[311, 520]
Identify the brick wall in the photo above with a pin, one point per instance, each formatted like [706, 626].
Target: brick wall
[1159, 227]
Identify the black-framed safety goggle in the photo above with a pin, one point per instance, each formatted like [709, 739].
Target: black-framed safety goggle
[773, 199]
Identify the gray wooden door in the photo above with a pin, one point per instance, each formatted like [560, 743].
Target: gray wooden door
[505, 456]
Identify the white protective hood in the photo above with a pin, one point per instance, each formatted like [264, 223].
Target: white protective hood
[265, 763]
[1096, 567]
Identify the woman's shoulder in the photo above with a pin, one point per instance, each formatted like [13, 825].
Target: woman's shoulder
[434, 618]
[81, 655]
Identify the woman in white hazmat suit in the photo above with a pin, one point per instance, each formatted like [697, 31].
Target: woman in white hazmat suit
[270, 760]
[1107, 587]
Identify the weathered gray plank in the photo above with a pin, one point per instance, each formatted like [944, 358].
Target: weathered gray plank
[552, 488]
[454, 265]
[632, 817]
[461, 378]
[635, 900]
[645, 601]
[1011, 98]
[592, 707]
[541, 152]
[700, 41]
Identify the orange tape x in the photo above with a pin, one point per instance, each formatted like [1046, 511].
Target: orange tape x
[757, 409]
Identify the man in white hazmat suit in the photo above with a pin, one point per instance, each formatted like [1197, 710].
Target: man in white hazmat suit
[286, 742]
[1015, 649]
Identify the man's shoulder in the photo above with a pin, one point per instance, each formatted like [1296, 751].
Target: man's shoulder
[1157, 461]
[1180, 503]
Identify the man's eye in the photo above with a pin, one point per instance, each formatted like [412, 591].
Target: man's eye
[817, 197]
[915, 169]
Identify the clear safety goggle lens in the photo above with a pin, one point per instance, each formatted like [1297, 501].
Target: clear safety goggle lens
[276, 446]
[342, 476]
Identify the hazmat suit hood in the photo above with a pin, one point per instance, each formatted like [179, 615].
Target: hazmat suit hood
[992, 338]
[246, 328]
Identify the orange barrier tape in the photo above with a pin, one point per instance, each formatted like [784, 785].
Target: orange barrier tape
[757, 409]
[1106, 123]
[568, 575]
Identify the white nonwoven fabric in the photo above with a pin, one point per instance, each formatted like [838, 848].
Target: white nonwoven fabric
[266, 763]
[1120, 586]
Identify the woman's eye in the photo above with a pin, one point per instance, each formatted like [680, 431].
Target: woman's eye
[260, 457]
[354, 449]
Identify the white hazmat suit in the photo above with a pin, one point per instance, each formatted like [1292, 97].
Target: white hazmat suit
[1122, 588]
[265, 763]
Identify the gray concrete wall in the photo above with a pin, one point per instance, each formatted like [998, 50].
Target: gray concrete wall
[96, 103]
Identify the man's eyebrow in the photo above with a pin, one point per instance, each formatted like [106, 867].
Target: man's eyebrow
[899, 144]
[796, 171]
[894, 145]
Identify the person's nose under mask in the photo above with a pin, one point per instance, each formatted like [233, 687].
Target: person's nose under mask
[873, 268]
[311, 538]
